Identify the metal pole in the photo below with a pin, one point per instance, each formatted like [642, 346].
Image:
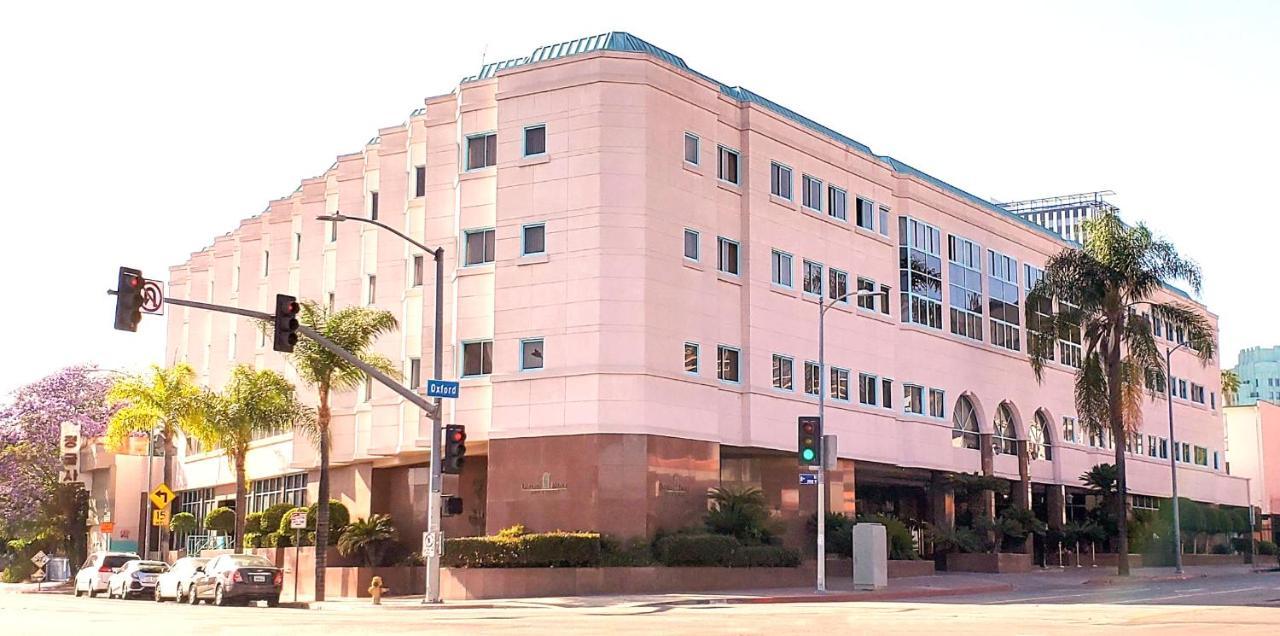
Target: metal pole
[1173, 461]
[297, 541]
[1248, 496]
[146, 505]
[433, 498]
[822, 473]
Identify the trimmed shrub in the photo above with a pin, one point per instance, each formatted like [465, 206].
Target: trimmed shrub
[282, 526]
[183, 522]
[339, 517]
[277, 540]
[252, 540]
[253, 523]
[1268, 548]
[766, 556]
[221, 520]
[18, 571]
[271, 517]
[549, 549]
[518, 530]
[696, 549]
[634, 552]
[1221, 548]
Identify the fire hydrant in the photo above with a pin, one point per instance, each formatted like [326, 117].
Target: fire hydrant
[376, 590]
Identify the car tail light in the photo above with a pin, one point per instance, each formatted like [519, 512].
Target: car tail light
[105, 569]
[279, 580]
[235, 576]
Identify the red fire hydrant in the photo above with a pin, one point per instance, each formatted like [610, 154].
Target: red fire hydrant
[376, 590]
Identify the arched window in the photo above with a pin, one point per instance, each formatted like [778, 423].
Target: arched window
[964, 425]
[1005, 439]
[1038, 446]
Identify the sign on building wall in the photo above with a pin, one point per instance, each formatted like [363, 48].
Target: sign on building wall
[70, 452]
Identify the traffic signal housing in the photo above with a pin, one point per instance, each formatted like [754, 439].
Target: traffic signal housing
[286, 323]
[129, 288]
[810, 442]
[451, 506]
[455, 448]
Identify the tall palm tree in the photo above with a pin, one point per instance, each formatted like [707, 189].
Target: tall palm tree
[354, 329]
[1230, 386]
[253, 403]
[1100, 291]
[168, 399]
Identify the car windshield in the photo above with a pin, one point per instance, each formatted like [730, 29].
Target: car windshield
[152, 567]
[251, 560]
[116, 560]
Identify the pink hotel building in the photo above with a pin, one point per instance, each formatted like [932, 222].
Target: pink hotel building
[634, 256]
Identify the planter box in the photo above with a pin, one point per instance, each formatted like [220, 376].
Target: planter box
[843, 568]
[992, 563]
[1213, 559]
[1101, 559]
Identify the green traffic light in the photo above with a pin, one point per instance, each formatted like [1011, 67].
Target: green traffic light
[807, 454]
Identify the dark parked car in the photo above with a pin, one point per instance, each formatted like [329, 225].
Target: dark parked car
[237, 579]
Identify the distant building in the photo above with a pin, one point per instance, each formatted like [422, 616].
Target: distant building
[1253, 452]
[1064, 214]
[1259, 371]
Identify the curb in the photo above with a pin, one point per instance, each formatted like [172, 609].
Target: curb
[348, 607]
[842, 597]
[1122, 582]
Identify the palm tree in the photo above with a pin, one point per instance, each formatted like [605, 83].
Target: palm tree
[370, 536]
[168, 399]
[354, 329]
[1230, 386]
[253, 403]
[1100, 290]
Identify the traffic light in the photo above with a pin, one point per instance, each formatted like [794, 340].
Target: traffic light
[129, 299]
[455, 448]
[452, 505]
[810, 449]
[286, 327]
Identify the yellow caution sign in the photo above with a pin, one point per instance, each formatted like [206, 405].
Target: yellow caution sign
[161, 497]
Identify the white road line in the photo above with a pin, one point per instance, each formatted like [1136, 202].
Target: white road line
[1155, 599]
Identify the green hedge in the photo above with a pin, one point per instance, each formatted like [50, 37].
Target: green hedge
[1268, 548]
[271, 517]
[276, 540]
[548, 549]
[252, 540]
[695, 549]
[253, 523]
[339, 517]
[766, 556]
[282, 526]
[220, 520]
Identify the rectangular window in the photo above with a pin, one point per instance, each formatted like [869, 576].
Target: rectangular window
[920, 267]
[368, 389]
[297, 245]
[1213, 400]
[883, 299]
[372, 289]
[1182, 389]
[533, 239]
[531, 354]
[691, 250]
[1069, 339]
[811, 378]
[535, 140]
[482, 151]
[266, 265]
[866, 213]
[1216, 466]
[1197, 393]
[782, 372]
[913, 399]
[866, 300]
[1069, 429]
[333, 231]
[415, 372]
[480, 246]
[780, 181]
[477, 358]
[838, 286]
[373, 206]
[886, 393]
[781, 266]
[417, 270]
[937, 403]
[884, 221]
[1186, 452]
[838, 203]
[690, 357]
[727, 165]
[727, 363]
[867, 387]
[420, 181]
[1005, 301]
[1164, 448]
[964, 260]
[1202, 456]
[812, 273]
[840, 384]
[727, 256]
[692, 147]
[332, 301]
[812, 194]
[1039, 329]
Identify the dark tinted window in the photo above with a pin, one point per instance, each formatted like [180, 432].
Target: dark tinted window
[117, 560]
[251, 560]
[535, 140]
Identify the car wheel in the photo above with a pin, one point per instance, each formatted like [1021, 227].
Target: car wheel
[218, 598]
[155, 592]
[88, 590]
[75, 589]
[178, 596]
[192, 596]
[273, 602]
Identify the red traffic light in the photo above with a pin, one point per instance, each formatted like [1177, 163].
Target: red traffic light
[457, 436]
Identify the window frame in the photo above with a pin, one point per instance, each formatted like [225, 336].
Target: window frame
[721, 359]
[808, 181]
[488, 244]
[776, 184]
[775, 258]
[373, 205]
[779, 361]
[919, 399]
[462, 357]
[524, 238]
[812, 377]
[865, 397]
[1005, 334]
[805, 266]
[858, 202]
[839, 295]
[919, 309]
[721, 152]
[834, 387]
[697, 358]
[697, 245]
[415, 373]
[962, 318]
[467, 151]
[697, 148]
[524, 141]
[941, 396]
[419, 181]
[843, 216]
[721, 242]
[525, 342]
[417, 267]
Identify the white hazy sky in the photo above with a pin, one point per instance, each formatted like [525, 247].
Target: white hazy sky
[133, 133]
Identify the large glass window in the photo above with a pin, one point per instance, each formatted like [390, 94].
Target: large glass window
[811, 195]
[964, 425]
[290, 489]
[965, 264]
[1006, 301]
[727, 165]
[1038, 438]
[782, 372]
[780, 181]
[781, 269]
[1041, 310]
[482, 151]
[920, 265]
[1069, 339]
[1005, 439]
[727, 256]
[813, 278]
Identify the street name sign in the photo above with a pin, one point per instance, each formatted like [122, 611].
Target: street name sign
[442, 389]
[808, 479]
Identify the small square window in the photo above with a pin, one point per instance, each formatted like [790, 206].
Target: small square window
[691, 357]
[479, 246]
[692, 147]
[531, 354]
[482, 151]
[727, 363]
[373, 206]
[691, 250]
[415, 373]
[727, 167]
[534, 239]
[535, 140]
[417, 270]
[477, 358]
[420, 181]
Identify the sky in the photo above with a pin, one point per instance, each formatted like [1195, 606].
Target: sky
[133, 133]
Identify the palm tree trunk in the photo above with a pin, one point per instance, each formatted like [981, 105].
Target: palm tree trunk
[1119, 436]
[240, 502]
[168, 480]
[322, 506]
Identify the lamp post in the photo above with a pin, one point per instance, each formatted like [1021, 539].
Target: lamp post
[432, 594]
[823, 306]
[1173, 458]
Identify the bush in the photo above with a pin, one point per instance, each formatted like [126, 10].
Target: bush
[282, 526]
[252, 540]
[18, 571]
[742, 513]
[221, 520]
[634, 552]
[1221, 548]
[518, 530]
[271, 517]
[339, 517]
[1268, 548]
[766, 556]
[277, 540]
[548, 549]
[696, 549]
[182, 523]
[253, 523]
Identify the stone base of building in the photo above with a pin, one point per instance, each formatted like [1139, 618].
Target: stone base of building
[991, 563]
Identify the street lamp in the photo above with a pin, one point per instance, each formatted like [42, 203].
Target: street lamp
[432, 594]
[1173, 458]
[823, 306]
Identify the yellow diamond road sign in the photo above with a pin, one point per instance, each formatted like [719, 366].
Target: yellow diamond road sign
[161, 497]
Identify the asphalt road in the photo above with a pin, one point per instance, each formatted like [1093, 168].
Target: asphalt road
[1244, 604]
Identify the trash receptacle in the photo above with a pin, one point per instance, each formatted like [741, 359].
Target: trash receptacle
[870, 557]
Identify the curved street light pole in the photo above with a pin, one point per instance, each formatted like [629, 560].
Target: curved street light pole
[1173, 458]
[432, 594]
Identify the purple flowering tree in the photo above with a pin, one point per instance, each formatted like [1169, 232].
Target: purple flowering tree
[33, 505]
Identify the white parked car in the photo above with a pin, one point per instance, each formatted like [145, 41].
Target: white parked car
[97, 571]
[176, 582]
[135, 578]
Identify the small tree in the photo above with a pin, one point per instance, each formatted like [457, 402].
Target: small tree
[220, 520]
[370, 536]
[182, 523]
